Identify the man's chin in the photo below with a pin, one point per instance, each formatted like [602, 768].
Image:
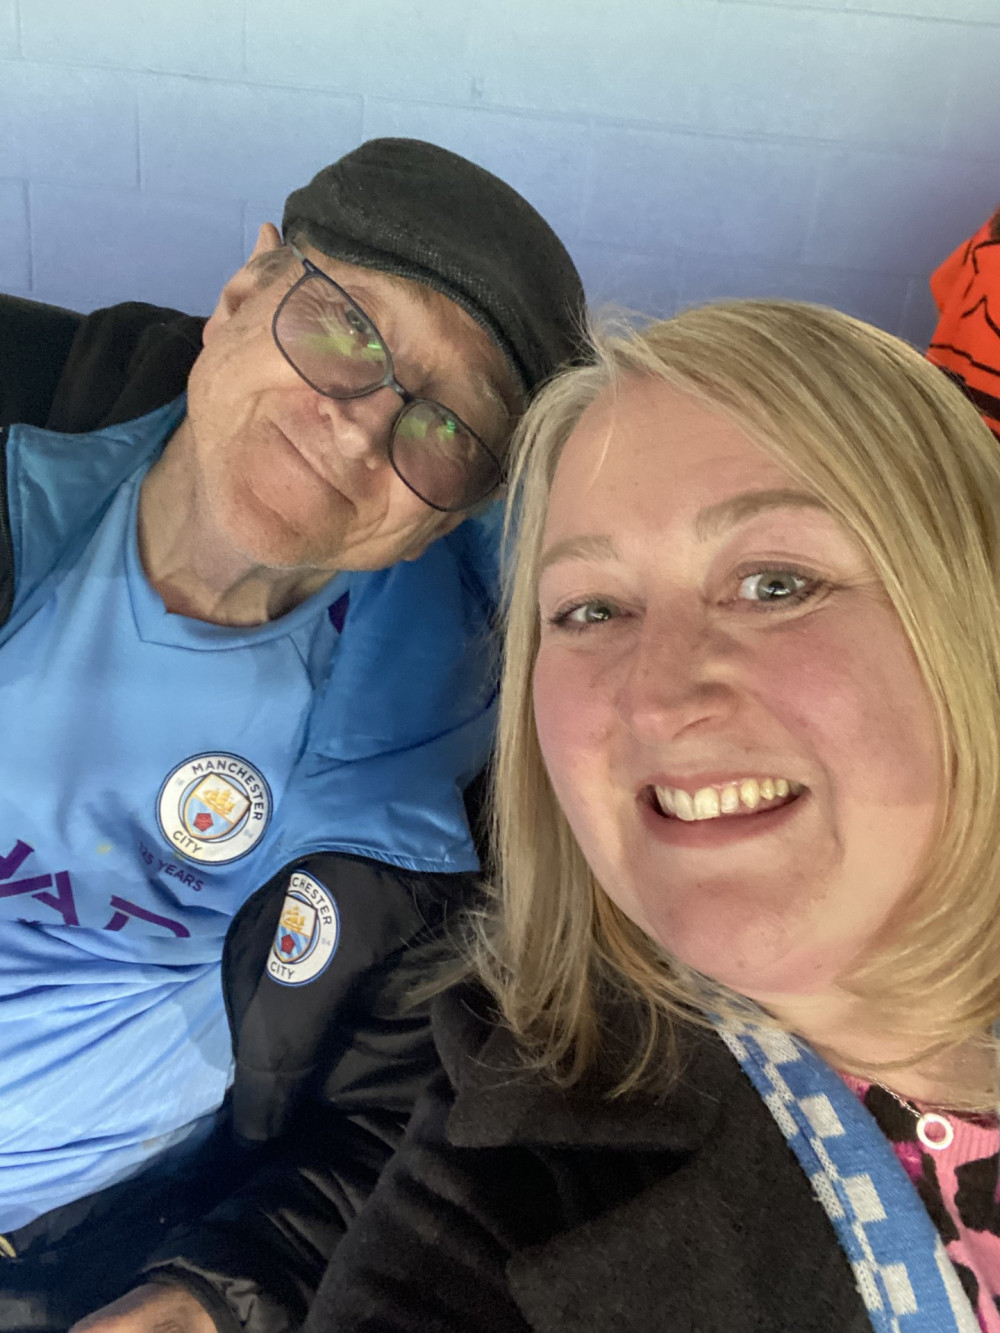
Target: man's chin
[285, 552]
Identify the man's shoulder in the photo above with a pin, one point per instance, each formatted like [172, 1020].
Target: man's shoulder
[318, 973]
[35, 339]
[124, 361]
[76, 372]
[56, 489]
[381, 911]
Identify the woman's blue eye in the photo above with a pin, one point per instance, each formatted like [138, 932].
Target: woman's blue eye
[586, 613]
[775, 585]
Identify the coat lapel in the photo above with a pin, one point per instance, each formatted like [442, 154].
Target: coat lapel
[680, 1210]
[704, 1249]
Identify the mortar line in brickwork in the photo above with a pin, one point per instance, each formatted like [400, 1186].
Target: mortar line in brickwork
[844, 8]
[813, 210]
[137, 163]
[30, 236]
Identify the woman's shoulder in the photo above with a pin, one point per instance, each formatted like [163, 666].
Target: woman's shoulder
[498, 1096]
[494, 1095]
[466, 1021]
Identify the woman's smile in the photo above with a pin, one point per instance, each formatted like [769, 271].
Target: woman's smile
[724, 829]
[729, 799]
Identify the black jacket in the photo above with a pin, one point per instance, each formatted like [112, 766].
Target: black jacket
[326, 1074]
[326, 1078]
[515, 1206]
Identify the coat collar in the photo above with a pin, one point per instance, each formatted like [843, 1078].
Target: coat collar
[499, 1103]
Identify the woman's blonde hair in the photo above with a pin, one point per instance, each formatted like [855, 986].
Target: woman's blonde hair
[899, 456]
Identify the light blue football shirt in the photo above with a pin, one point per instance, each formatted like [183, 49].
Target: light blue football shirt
[143, 761]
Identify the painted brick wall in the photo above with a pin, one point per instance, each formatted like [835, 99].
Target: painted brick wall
[832, 150]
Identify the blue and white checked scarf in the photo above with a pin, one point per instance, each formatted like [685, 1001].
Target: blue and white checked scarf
[903, 1273]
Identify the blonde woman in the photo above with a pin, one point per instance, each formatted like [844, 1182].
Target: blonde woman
[725, 1060]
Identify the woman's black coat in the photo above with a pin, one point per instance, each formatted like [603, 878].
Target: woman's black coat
[515, 1206]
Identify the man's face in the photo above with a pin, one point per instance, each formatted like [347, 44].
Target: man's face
[296, 480]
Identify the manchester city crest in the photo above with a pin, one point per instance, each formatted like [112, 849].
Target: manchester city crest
[308, 933]
[214, 808]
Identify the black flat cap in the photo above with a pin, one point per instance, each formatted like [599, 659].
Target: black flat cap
[410, 208]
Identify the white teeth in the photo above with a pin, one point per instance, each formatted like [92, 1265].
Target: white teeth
[683, 805]
[726, 799]
[706, 803]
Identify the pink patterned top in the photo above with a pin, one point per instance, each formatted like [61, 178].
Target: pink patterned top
[960, 1188]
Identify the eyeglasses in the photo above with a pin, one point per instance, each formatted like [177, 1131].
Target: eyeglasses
[328, 339]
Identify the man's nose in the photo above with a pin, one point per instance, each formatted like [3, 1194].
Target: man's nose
[362, 426]
[679, 676]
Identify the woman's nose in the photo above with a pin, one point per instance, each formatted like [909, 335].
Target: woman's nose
[677, 677]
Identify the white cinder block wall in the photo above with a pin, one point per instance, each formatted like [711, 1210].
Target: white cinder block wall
[831, 150]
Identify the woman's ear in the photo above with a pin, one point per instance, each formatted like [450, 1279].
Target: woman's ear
[243, 283]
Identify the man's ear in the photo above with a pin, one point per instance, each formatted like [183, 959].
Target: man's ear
[243, 283]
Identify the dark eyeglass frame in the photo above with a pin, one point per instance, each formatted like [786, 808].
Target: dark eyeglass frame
[388, 381]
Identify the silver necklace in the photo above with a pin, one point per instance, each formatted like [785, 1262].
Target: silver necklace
[933, 1130]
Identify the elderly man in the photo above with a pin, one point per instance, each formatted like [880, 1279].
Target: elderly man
[245, 645]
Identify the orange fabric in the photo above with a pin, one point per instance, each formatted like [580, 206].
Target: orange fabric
[966, 342]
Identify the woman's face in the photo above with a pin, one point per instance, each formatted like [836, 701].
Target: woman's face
[730, 713]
